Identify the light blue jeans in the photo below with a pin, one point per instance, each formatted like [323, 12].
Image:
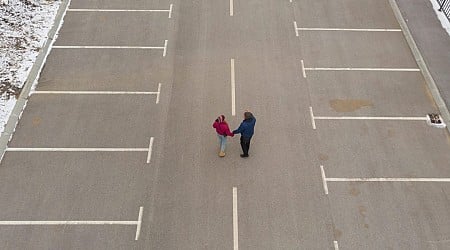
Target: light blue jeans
[222, 142]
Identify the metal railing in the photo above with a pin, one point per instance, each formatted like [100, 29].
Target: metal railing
[444, 6]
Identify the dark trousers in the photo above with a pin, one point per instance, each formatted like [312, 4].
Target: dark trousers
[245, 144]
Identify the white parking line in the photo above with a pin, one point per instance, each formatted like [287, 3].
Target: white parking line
[170, 10]
[150, 147]
[386, 118]
[93, 92]
[365, 118]
[233, 89]
[164, 48]
[124, 10]
[235, 220]
[296, 29]
[303, 68]
[324, 179]
[158, 93]
[384, 179]
[77, 149]
[79, 222]
[364, 69]
[139, 223]
[313, 121]
[70, 92]
[339, 29]
[231, 8]
[336, 245]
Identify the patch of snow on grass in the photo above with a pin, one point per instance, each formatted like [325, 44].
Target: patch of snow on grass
[24, 25]
[441, 16]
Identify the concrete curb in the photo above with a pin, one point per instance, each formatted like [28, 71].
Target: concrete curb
[32, 78]
[422, 65]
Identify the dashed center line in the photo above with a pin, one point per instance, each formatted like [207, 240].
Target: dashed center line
[336, 245]
[233, 89]
[231, 7]
[235, 221]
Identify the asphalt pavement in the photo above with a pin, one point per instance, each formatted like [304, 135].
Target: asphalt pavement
[116, 150]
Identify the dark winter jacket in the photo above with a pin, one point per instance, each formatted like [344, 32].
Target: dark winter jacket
[247, 127]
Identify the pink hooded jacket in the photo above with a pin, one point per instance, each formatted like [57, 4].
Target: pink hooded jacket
[221, 126]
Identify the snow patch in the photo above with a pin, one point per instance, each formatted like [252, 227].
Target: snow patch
[24, 25]
[441, 16]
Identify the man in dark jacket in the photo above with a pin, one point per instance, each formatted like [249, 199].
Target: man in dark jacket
[246, 129]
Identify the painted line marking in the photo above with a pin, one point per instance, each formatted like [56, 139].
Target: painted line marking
[343, 29]
[383, 179]
[336, 246]
[124, 10]
[295, 28]
[303, 68]
[312, 118]
[114, 10]
[231, 8]
[139, 223]
[365, 69]
[64, 92]
[170, 10]
[388, 118]
[324, 179]
[233, 89]
[77, 149]
[150, 147]
[56, 223]
[106, 47]
[165, 48]
[158, 93]
[235, 220]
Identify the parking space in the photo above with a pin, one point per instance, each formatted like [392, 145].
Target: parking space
[72, 185]
[119, 4]
[381, 215]
[355, 49]
[345, 14]
[103, 70]
[113, 29]
[99, 121]
[382, 149]
[338, 93]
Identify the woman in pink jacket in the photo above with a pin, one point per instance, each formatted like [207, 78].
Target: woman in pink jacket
[223, 131]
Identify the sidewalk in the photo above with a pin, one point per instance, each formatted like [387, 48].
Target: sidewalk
[432, 40]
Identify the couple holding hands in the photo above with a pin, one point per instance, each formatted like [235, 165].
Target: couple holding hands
[246, 129]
